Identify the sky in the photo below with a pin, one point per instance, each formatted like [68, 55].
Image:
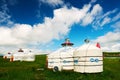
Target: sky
[42, 25]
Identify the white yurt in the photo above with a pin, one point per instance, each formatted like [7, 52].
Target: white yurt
[7, 56]
[23, 55]
[62, 59]
[88, 58]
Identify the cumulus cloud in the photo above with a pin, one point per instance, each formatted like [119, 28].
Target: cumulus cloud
[110, 41]
[109, 37]
[6, 37]
[53, 2]
[52, 28]
[59, 26]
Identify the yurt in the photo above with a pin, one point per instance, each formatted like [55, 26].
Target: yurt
[62, 59]
[23, 55]
[7, 56]
[88, 58]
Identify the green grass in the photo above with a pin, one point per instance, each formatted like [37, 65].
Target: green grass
[29, 71]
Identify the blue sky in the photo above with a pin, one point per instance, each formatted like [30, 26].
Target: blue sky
[44, 24]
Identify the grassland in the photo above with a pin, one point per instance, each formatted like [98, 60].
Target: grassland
[37, 71]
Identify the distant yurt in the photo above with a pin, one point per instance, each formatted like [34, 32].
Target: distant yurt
[62, 59]
[7, 56]
[88, 58]
[23, 55]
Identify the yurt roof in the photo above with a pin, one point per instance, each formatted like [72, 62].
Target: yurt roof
[88, 46]
[63, 49]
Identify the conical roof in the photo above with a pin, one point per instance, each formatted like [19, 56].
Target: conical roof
[88, 46]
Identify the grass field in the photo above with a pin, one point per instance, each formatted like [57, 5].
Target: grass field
[37, 71]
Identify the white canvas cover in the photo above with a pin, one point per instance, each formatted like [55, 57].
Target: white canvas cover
[22, 56]
[88, 59]
[8, 56]
[62, 58]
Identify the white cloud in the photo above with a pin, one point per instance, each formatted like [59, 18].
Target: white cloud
[53, 2]
[93, 1]
[98, 19]
[109, 37]
[52, 28]
[109, 13]
[4, 16]
[59, 26]
[7, 38]
[105, 18]
[117, 17]
[116, 47]
[90, 16]
[116, 26]
[110, 41]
